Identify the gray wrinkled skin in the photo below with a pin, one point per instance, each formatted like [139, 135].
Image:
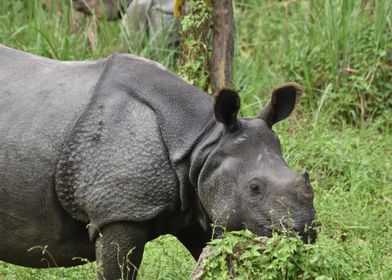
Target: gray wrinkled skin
[97, 158]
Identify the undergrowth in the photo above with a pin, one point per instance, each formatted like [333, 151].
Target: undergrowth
[244, 256]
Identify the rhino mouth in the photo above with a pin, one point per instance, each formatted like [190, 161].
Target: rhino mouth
[307, 232]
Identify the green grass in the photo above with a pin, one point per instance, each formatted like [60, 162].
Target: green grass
[341, 51]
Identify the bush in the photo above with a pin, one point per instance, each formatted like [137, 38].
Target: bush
[242, 255]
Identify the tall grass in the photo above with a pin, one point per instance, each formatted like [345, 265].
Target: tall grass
[341, 51]
[52, 28]
[345, 44]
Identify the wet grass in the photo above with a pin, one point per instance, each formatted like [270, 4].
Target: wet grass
[341, 51]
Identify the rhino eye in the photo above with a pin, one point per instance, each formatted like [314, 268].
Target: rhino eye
[255, 189]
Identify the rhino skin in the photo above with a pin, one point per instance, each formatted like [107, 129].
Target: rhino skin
[99, 157]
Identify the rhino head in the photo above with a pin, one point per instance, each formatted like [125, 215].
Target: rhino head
[245, 182]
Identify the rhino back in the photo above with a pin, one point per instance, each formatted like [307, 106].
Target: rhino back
[40, 100]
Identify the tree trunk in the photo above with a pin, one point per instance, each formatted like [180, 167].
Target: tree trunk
[221, 63]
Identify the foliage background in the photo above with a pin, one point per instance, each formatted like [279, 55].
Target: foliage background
[340, 50]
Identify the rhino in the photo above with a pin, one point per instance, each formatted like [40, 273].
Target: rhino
[99, 157]
[154, 18]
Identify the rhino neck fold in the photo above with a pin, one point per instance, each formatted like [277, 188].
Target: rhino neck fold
[198, 158]
[202, 151]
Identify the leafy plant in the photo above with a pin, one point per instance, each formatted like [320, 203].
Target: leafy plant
[242, 255]
[193, 63]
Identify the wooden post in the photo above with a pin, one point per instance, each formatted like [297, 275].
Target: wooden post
[221, 62]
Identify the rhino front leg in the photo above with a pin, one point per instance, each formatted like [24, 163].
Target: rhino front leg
[194, 238]
[119, 250]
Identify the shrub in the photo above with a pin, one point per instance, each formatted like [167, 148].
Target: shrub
[242, 255]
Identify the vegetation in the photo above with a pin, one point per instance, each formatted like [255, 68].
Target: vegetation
[245, 256]
[341, 51]
[195, 27]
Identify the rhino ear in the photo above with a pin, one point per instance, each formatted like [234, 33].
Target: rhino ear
[227, 103]
[283, 102]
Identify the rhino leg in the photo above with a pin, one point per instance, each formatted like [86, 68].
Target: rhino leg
[119, 250]
[194, 238]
